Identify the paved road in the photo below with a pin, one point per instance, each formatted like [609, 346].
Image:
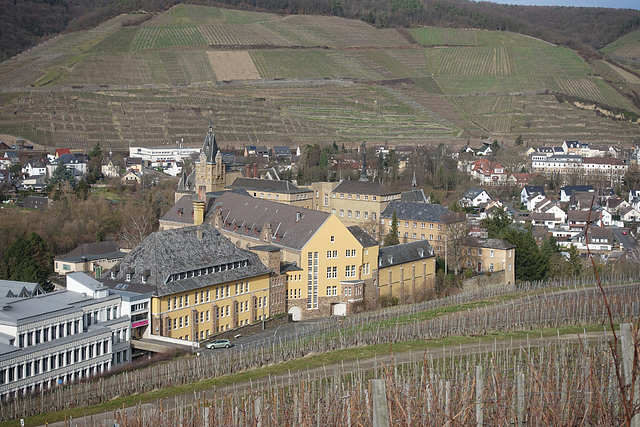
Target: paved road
[624, 237]
[269, 335]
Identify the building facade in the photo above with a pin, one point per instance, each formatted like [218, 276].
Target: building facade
[60, 337]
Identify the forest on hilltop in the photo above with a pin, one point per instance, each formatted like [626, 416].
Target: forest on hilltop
[27, 22]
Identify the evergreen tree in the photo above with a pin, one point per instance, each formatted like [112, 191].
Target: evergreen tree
[28, 259]
[519, 140]
[550, 246]
[95, 164]
[497, 222]
[531, 263]
[392, 237]
[575, 261]
[60, 174]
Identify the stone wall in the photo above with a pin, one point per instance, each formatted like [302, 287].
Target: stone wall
[482, 281]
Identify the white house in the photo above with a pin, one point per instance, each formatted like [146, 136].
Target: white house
[629, 214]
[566, 191]
[474, 197]
[528, 191]
[33, 167]
[70, 162]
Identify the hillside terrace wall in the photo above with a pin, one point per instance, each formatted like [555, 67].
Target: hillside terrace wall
[483, 281]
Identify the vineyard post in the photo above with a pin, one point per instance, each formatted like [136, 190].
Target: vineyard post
[628, 365]
[479, 391]
[258, 410]
[447, 399]
[380, 408]
[520, 397]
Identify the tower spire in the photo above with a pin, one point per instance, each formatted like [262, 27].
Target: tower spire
[363, 174]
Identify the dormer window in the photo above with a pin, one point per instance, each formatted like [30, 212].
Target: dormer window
[128, 277]
[113, 274]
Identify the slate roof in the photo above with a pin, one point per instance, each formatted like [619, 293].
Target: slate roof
[407, 252]
[534, 189]
[475, 242]
[93, 251]
[174, 261]
[365, 240]
[182, 211]
[416, 196]
[580, 216]
[416, 211]
[68, 159]
[291, 226]
[281, 150]
[364, 187]
[35, 202]
[571, 188]
[472, 193]
[273, 186]
[12, 289]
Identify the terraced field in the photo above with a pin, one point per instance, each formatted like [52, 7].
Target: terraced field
[319, 79]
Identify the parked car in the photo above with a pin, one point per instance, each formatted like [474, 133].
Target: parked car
[220, 344]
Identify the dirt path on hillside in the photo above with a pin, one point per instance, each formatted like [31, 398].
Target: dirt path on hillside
[292, 378]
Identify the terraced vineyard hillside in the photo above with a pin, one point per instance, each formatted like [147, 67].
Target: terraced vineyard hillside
[299, 79]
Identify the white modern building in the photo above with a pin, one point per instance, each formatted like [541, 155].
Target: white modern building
[163, 154]
[60, 337]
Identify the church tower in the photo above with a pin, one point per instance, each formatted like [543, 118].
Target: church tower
[209, 168]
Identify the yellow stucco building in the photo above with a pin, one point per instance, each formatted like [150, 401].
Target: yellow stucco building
[407, 271]
[335, 265]
[200, 283]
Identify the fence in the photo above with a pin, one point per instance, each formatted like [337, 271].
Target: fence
[583, 305]
[555, 384]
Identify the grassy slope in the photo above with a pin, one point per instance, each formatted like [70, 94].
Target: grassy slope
[630, 38]
[171, 50]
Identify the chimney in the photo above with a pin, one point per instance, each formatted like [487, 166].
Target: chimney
[255, 170]
[202, 193]
[248, 172]
[199, 206]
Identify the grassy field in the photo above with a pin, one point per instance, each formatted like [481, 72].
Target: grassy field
[155, 82]
[621, 42]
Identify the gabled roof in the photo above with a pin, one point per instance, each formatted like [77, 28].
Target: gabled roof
[62, 151]
[269, 185]
[416, 196]
[581, 216]
[361, 236]
[281, 150]
[183, 259]
[68, 159]
[417, 211]
[290, 226]
[571, 188]
[403, 253]
[182, 211]
[472, 193]
[364, 187]
[533, 189]
[93, 251]
[476, 242]
[603, 161]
